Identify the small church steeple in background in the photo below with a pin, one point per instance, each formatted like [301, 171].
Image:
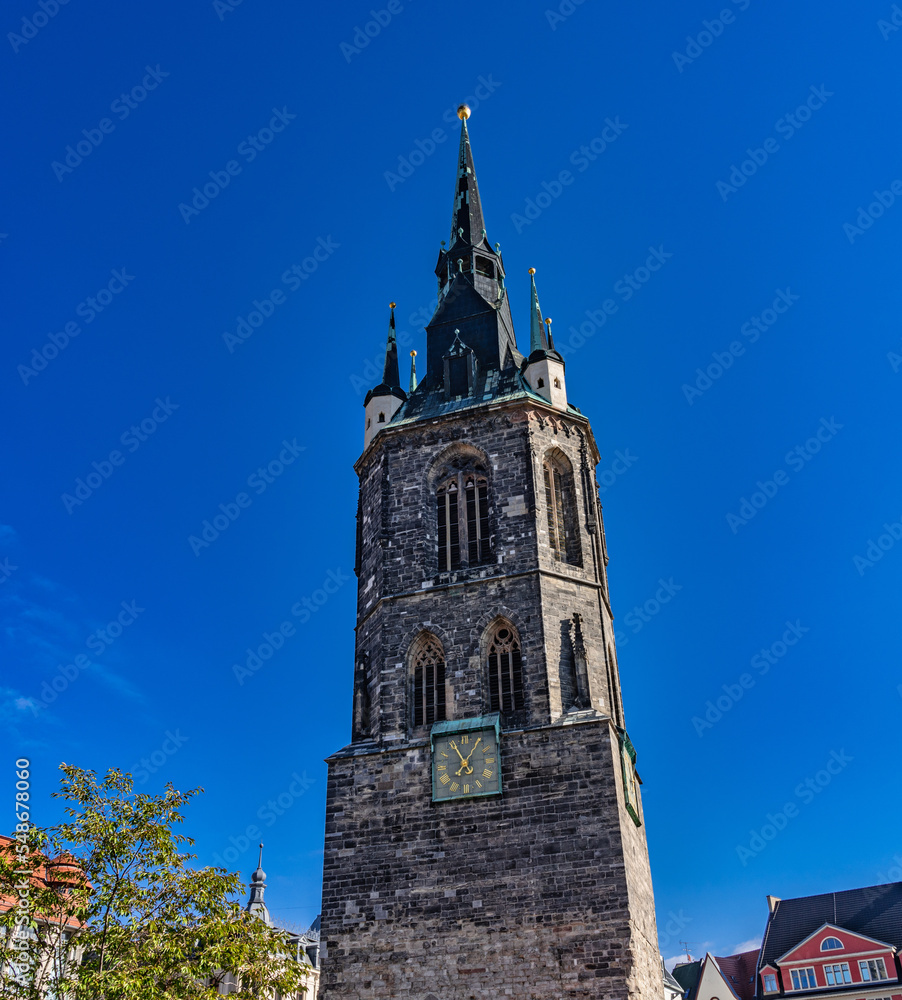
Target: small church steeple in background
[544, 369]
[384, 401]
[255, 904]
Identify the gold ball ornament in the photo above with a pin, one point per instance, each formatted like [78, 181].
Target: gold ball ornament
[463, 112]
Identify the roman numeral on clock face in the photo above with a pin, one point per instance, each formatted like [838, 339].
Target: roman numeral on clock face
[444, 779]
[487, 773]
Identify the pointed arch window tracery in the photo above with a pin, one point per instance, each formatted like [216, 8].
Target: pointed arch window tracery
[505, 662]
[462, 516]
[560, 509]
[428, 681]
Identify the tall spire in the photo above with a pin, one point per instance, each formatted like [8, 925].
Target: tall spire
[255, 905]
[537, 341]
[413, 371]
[392, 375]
[467, 222]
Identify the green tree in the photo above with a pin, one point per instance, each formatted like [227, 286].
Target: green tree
[120, 915]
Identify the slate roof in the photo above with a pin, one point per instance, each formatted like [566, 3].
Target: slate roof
[875, 911]
[687, 975]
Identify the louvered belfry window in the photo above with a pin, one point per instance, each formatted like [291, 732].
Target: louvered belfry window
[560, 511]
[462, 516]
[477, 493]
[428, 682]
[448, 527]
[505, 671]
[554, 505]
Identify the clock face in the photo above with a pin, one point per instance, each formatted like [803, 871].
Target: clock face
[465, 764]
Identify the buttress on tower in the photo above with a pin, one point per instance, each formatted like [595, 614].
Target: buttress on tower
[484, 827]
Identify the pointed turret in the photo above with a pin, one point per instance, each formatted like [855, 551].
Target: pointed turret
[544, 368]
[413, 371]
[255, 905]
[384, 401]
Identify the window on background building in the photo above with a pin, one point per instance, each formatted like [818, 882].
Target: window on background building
[838, 975]
[872, 969]
[831, 944]
[770, 983]
[505, 671]
[803, 979]
[428, 681]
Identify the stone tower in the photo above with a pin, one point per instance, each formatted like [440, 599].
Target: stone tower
[484, 828]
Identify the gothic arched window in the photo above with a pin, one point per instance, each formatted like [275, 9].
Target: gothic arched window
[428, 681]
[505, 670]
[560, 509]
[463, 528]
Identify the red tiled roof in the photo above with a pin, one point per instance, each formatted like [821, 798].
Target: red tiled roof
[740, 971]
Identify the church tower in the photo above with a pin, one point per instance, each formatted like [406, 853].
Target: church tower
[484, 827]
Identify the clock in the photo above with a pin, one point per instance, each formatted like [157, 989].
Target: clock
[466, 758]
[631, 779]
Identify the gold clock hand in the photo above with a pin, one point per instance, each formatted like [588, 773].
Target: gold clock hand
[469, 755]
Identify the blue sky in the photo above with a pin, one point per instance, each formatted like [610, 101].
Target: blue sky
[755, 168]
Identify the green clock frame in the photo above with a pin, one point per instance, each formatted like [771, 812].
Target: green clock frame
[631, 780]
[441, 736]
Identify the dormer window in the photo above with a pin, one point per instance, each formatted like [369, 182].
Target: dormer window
[770, 982]
[831, 944]
[803, 979]
[460, 369]
[838, 975]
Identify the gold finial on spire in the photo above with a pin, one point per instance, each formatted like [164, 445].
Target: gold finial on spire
[392, 305]
[547, 321]
[532, 270]
[413, 354]
[463, 112]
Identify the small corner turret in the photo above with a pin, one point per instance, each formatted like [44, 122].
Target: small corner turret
[544, 368]
[384, 401]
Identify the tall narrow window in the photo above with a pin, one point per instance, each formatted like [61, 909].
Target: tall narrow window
[428, 682]
[462, 519]
[505, 672]
[560, 510]
[477, 494]
[448, 527]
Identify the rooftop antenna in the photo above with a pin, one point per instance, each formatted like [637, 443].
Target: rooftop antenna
[685, 944]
